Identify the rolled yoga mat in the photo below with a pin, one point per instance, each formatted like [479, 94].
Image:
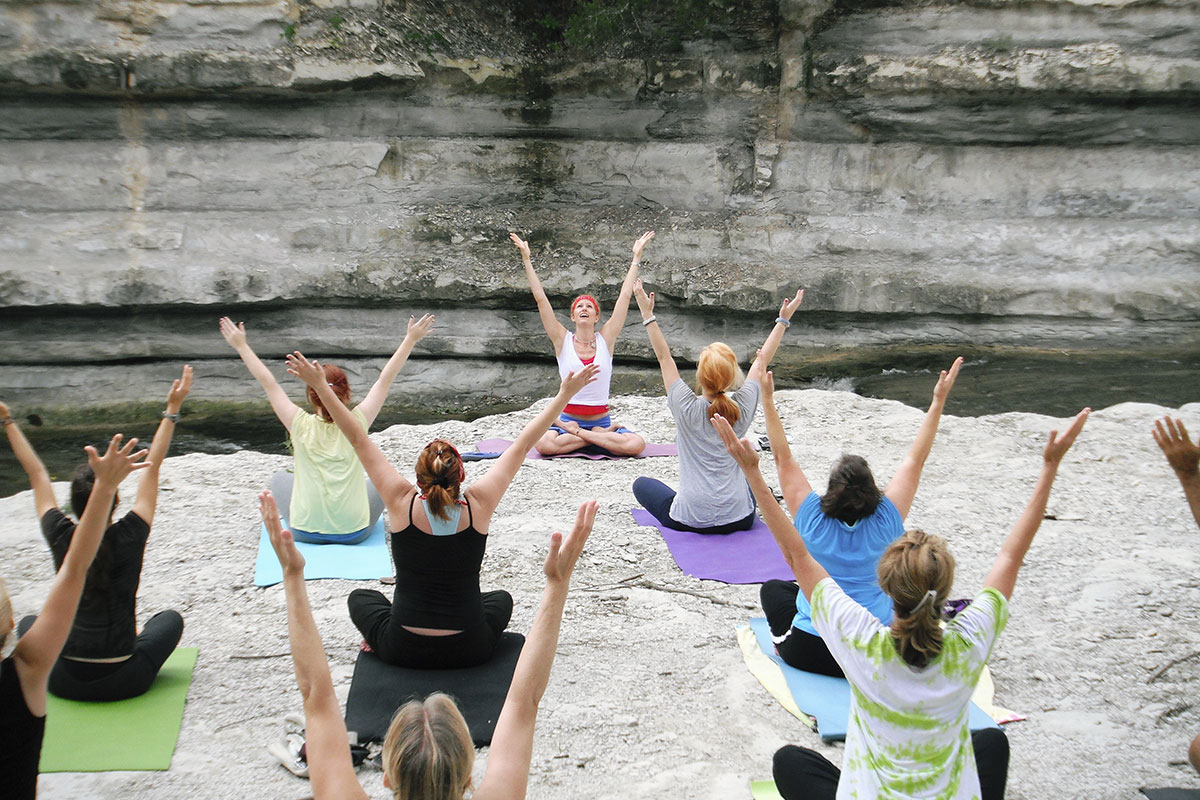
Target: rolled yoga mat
[378, 689]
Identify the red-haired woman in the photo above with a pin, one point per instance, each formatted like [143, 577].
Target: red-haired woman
[438, 618]
[328, 500]
[585, 422]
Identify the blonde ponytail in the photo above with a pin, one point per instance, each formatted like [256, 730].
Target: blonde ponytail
[717, 372]
[917, 572]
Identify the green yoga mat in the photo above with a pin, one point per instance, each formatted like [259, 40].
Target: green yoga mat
[764, 790]
[134, 734]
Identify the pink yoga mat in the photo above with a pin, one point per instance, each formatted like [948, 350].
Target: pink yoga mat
[652, 450]
[742, 557]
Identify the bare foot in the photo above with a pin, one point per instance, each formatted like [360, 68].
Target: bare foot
[569, 426]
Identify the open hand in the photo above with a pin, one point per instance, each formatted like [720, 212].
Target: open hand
[565, 550]
[281, 540]
[767, 386]
[945, 382]
[640, 244]
[1173, 440]
[4, 411]
[118, 460]
[789, 306]
[741, 449]
[179, 390]
[577, 380]
[308, 371]
[1057, 447]
[235, 335]
[645, 301]
[419, 328]
[521, 244]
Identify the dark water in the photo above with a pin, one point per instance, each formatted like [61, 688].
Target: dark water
[1056, 384]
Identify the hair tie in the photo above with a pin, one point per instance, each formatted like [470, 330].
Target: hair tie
[930, 596]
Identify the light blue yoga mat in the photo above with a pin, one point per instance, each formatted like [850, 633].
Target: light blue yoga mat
[827, 698]
[369, 560]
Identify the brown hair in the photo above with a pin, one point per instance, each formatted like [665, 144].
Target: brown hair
[337, 381]
[717, 372]
[439, 476]
[913, 566]
[852, 493]
[428, 753]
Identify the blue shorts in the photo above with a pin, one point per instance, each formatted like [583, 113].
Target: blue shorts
[587, 424]
[312, 537]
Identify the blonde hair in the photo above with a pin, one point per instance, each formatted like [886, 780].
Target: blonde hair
[5, 611]
[428, 753]
[717, 372]
[912, 567]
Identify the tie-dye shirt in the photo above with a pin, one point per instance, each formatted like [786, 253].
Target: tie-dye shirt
[908, 735]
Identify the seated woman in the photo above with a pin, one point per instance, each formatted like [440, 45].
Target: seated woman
[439, 619]
[330, 501]
[105, 658]
[912, 680]
[24, 673]
[585, 424]
[713, 497]
[427, 752]
[846, 530]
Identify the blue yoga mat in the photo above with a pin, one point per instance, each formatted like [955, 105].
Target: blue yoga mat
[827, 698]
[369, 560]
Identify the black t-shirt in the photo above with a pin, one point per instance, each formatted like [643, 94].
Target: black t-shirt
[105, 624]
[20, 737]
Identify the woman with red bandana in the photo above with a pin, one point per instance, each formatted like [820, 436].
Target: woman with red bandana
[585, 422]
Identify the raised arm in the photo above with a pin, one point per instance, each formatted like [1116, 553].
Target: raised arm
[616, 321]
[1184, 458]
[507, 774]
[766, 353]
[391, 485]
[488, 490]
[330, 769]
[38, 649]
[806, 569]
[554, 328]
[903, 486]
[39, 478]
[375, 398]
[670, 373]
[792, 480]
[147, 495]
[281, 404]
[1003, 575]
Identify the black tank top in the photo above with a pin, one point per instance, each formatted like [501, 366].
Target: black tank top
[437, 577]
[20, 737]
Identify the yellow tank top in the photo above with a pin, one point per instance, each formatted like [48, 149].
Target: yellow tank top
[329, 494]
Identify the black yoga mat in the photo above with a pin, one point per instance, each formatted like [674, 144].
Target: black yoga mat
[1172, 794]
[378, 689]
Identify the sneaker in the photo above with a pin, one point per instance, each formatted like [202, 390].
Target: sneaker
[287, 751]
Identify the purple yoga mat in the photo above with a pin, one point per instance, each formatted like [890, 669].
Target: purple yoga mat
[652, 450]
[742, 557]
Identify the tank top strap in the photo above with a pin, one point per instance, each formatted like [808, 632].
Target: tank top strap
[470, 514]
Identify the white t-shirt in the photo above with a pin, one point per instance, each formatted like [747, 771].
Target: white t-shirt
[908, 735]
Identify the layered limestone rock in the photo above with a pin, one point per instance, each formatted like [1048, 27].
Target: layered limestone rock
[986, 174]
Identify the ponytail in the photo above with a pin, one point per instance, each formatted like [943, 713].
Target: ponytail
[440, 473]
[917, 572]
[717, 372]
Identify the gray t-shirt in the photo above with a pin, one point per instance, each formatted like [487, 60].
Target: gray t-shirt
[712, 489]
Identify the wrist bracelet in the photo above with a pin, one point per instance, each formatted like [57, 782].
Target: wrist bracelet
[9, 421]
[787, 323]
[646, 322]
[170, 416]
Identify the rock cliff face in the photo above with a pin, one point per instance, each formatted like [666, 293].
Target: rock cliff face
[988, 173]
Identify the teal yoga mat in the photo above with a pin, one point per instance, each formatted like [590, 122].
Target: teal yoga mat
[134, 734]
[827, 698]
[369, 560]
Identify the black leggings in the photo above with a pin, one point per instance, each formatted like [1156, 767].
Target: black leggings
[656, 497]
[799, 649]
[803, 774]
[119, 680]
[371, 613]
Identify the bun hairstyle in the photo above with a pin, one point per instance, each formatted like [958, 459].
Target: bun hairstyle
[717, 372]
[337, 381]
[917, 571]
[428, 753]
[5, 613]
[852, 493]
[440, 474]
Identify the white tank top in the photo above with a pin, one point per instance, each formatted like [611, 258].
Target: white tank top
[595, 393]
